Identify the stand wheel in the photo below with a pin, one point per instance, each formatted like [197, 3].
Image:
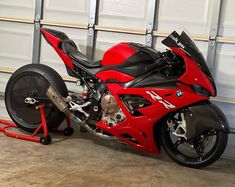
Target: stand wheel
[45, 140]
[68, 131]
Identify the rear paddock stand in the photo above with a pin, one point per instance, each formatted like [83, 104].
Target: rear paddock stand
[45, 139]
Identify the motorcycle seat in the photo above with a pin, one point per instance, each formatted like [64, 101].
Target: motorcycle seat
[70, 48]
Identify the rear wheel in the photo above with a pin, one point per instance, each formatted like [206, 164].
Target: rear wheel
[199, 152]
[32, 81]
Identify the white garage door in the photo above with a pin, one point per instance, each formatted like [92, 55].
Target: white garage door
[113, 21]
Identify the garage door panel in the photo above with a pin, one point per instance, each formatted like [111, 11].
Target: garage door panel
[105, 40]
[16, 8]
[157, 44]
[195, 16]
[229, 111]
[229, 151]
[51, 58]
[16, 42]
[72, 11]
[3, 111]
[3, 81]
[227, 25]
[225, 77]
[115, 13]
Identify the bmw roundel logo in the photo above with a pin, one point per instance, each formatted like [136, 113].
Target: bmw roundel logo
[179, 93]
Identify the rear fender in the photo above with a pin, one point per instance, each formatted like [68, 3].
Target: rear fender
[202, 117]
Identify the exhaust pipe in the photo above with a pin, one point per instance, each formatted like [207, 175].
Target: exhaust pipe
[94, 132]
[60, 103]
[57, 99]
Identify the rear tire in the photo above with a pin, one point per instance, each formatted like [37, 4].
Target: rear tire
[33, 80]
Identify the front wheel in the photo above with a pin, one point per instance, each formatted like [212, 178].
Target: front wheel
[199, 152]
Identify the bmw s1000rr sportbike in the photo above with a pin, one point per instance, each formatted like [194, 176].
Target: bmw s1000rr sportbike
[143, 97]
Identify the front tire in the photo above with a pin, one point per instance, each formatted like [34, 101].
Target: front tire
[196, 153]
[32, 81]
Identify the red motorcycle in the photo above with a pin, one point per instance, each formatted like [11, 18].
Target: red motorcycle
[136, 94]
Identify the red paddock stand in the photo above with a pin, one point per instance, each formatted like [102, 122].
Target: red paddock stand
[45, 139]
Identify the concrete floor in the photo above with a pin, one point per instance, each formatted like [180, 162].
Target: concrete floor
[84, 160]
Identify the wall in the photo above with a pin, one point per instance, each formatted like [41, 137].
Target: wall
[115, 21]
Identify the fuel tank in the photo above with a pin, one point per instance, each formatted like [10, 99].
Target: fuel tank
[118, 54]
[126, 61]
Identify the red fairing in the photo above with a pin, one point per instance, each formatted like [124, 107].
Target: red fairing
[114, 75]
[141, 127]
[193, 74]
[117, 54]
[54, 41]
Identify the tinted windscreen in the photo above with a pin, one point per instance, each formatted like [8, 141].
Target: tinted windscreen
[185, 43]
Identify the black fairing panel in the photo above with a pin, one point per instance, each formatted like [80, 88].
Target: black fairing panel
[136, 64]
[154, 80]
[206, 116]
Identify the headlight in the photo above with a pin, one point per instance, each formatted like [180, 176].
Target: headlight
[200, 90]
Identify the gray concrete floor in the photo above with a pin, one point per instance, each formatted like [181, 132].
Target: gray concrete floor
[84, 160]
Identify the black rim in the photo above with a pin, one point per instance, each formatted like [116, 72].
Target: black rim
[194, 151]
[28, 85]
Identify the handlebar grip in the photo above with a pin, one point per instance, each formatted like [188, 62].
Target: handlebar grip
[156, 64]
